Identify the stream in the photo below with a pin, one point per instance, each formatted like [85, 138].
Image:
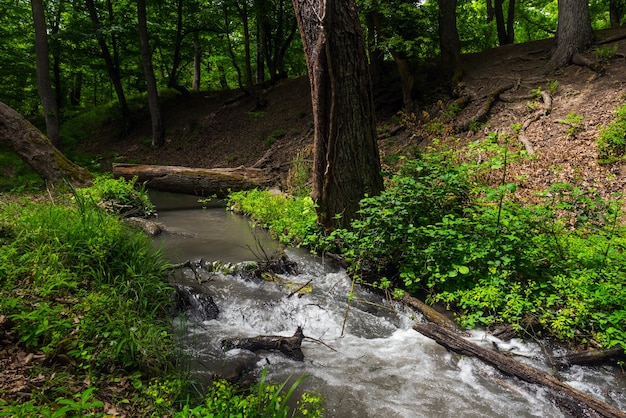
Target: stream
[379, 367]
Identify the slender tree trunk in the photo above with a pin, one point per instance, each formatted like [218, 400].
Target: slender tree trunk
[197, 62]
[77, 87]
[510, 22]
[231, 53]
[243, 13]
[111, 64]
[158, 133]
[261, 39]
[37, 151]
[451, 65]
[346, 161]
[616, 11]
[172, 80]
[48, 100]
[573, 34]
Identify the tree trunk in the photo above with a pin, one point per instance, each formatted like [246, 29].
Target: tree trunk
[198, 181]
[451, 66]
[506, 364]
[346, 162]
[573, 34]
[158, 133]
[616, 10]
[197, 62]
[37, 151]
[44, 86]
[172, 80]
[112, 69]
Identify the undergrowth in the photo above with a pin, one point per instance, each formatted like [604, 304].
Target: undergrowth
[554, 268]
[87, 296]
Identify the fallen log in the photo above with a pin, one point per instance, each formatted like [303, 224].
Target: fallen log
[196, 181]
[289, 346]
[591, 357]
[506, 364]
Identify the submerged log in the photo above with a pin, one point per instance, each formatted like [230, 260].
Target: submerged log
[506, 364]
[289, 346]
[591, 357]
[197, 181]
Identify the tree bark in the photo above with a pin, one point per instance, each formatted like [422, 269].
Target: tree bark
[44, 86]
[506, 364]
[158, 133]
[573, 34]
[289, 346]
[197, 181]
[37, 151]
[450, 44]
[346, 162]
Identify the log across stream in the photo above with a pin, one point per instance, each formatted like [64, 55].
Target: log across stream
[381, 366]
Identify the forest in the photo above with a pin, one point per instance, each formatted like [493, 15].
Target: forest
[468, 154]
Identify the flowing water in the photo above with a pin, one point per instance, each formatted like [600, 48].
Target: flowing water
[379, 367]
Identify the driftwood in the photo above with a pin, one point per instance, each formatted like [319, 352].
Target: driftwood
[591, 357]
[289, 346]
[197, 181]
[506, 364]
[429, 312]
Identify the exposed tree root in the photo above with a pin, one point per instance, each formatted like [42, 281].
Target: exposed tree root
[547, 108]
[483, 112]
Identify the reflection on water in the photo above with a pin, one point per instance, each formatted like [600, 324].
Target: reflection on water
[212, 233]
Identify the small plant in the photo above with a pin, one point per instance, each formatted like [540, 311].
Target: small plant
[572, 120]
[611, 143]
[536, 93]
[256, 115]
[273, 137]
[552, 86]
[604, 53]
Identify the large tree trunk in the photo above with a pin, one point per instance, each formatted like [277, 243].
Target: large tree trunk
[506, 364]
[44, 86]
[37, 151]
[158, 133]
[346, 162]
[198, 181]
[573, 34]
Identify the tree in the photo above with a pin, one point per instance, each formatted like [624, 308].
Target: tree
[48, 99]
[573, 34]
[346, 164]
[37, 151]
[111, 60]
[158, 133]
[451, 66]
[506, 31]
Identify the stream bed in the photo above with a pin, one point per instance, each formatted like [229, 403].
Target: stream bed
[378, 366]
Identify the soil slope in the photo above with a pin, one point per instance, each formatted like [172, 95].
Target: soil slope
[268, 128]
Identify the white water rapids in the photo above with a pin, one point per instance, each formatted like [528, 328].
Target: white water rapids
[380, 367]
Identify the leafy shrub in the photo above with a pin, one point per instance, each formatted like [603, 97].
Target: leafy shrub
[265, 400]
[120, 196]
[291, 220]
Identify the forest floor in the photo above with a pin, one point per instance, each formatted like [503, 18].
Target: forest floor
[273, 125]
